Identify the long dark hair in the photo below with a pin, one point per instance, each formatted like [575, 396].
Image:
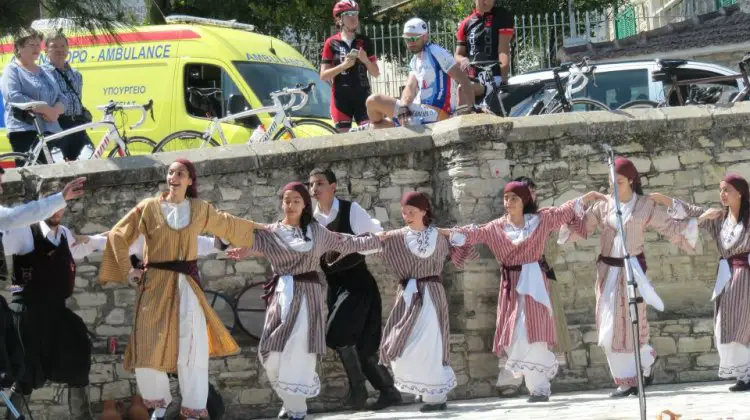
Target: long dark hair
[744, 216]
[637, 188]
[531, 207]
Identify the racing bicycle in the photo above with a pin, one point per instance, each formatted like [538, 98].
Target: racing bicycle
[282, 126]
[124, 146]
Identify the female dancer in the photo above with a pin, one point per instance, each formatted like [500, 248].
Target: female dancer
[612, 313]
[729, 229]
[294, 329]
[175, 330]
[416, 336]
[525, 329]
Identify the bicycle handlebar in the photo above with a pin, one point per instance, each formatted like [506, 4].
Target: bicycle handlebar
[304, 92]
[148, 107]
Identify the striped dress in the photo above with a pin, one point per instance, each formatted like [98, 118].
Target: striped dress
[294, 328]
[154, 341]
[416, 336]
[732, 292]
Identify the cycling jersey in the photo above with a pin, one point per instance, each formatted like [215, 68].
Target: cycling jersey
[480, 34]
[351, 87]
[430, 67]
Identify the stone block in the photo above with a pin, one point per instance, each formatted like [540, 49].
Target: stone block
[664, 346]
[256, 396]
[409, 177]
[116, 390]
[116, 316]
[230, 194]
[703, 326]
[85, 300]
[390, 193]
[666, 163]
[694, 345]
[678, 362]
[482, 365]
[676, 329]
[733, 155]
[591, 336]
[579, 358]
[124, 297]
[690, 157]
[597, 355]
[696, 375]
[708, 360]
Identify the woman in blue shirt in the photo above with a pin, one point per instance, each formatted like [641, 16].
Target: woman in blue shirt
[24, 81]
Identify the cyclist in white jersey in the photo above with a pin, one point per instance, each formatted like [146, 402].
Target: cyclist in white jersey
[427, 94]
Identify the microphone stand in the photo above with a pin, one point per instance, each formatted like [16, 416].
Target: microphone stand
[632, 286]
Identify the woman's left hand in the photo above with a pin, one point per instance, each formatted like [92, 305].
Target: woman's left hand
[238, 253]
[593, 196]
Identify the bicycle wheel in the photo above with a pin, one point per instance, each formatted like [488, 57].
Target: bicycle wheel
[251, 310]
[590, 104]
[640, 103]
[13, 160]
[135, 146]
[183, 140]
[223, 308]
[305, 128]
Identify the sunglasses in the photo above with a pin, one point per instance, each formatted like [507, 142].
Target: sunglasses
[352, 13]
[412, 38]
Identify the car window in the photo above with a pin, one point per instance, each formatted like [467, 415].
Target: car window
[614, 88]
[728, 87]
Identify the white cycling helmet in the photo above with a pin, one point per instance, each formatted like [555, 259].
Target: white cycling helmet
[415, 26]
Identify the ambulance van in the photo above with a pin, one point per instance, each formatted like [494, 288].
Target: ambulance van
[164, 63]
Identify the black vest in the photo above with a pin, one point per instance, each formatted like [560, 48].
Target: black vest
[48, 272]
[341, 224]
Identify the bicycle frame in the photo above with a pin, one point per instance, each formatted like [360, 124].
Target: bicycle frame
[42, 140]
[278, 109]
[708, 80]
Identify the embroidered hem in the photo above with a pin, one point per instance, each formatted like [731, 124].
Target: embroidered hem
[154, 404]
[194, 412]
[741, 372]
[296, 414]
[629, 382]
[298, 389]
[419, 388]
[521, 367]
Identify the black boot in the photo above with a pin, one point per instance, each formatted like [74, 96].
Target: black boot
[622, 393]
[740, 386]
[17, 399]
[357, 389]
[214, 404]
[433, 407]
[382, 380]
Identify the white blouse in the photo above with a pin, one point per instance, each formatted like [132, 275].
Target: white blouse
[518, 235]
[422, 243]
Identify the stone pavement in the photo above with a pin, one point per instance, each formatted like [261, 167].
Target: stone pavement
[704, 401]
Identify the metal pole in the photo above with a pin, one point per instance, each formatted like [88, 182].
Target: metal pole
[571, 18]
[632, 286]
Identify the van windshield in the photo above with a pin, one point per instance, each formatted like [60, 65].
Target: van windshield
[264, 78]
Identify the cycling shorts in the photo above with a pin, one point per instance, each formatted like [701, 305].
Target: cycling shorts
[348, 108]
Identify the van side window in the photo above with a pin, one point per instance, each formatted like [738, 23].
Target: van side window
[210, 92]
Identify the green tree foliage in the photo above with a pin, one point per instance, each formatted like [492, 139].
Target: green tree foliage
[90, 15]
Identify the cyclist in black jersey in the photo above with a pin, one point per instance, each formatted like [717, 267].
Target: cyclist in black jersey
[485, 35]
[347, 59]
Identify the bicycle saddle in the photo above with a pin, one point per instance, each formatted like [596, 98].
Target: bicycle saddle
[26, 106]
[669, 64]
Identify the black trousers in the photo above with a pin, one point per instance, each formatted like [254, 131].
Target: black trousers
[56, 345]
[71, 145]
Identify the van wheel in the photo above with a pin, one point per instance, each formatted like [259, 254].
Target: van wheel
[136, 145]
[305, 128]
[183, 140]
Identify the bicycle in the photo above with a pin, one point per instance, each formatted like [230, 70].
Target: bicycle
[563, 101]
[123, 143]
[247, 310]
[288, 127]
[668, 72]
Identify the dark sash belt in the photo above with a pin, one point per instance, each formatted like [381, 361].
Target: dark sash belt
[620, 262]
[269, 287]
[739, 260]
[428, 279]
[506, 270]
[188, 268]
[547, 268]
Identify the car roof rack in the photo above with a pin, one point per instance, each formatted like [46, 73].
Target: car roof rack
[232, 24]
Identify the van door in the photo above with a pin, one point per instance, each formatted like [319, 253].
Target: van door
[205, 89]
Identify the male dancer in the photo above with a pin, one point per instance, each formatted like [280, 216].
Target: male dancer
[354, 306]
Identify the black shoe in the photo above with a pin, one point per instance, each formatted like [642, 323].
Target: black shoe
[433, 407]
[357, 390]
[387, 398]
[538, 398]
[622, 393]
[740, 386]
[282, 414]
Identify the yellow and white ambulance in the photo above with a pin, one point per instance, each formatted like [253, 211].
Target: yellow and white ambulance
[163, 63]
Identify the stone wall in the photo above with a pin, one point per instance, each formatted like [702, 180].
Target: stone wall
[463, 164]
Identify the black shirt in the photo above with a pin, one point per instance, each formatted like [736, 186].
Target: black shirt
[480, 34]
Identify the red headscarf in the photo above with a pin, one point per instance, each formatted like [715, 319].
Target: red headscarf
[521, 189]
[420, 201]
[192, 191]
[627, 169]
[307, 213]
[740, 184]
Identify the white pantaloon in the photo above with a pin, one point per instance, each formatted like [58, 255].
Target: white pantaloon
[192, 361]
[734, 358]
[420, 370]
[291, 372]
[532, 361]
[621, 365]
